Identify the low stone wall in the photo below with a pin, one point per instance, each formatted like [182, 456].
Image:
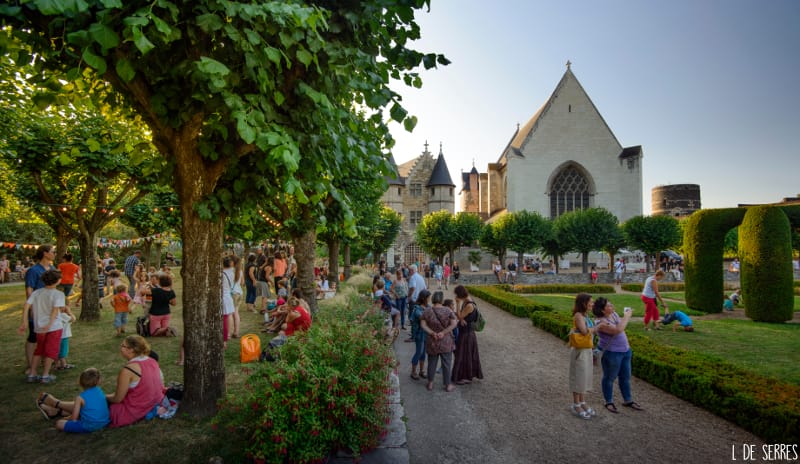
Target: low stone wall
[566, 278]
[15, 277]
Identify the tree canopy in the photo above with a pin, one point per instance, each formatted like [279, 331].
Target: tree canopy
[587, 230]
[652, 234]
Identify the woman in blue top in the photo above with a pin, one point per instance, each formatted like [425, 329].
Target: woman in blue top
[616, 359]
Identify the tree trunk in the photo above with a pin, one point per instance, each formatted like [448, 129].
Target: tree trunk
[158, 262]
[348, 267]
[204, 374]
[585, 262]
[90, 299]
[304, 252]
[333, 259]
[611, 263]
[63, 237]
[146, 253]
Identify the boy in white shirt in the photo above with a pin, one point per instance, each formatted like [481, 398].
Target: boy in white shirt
[46, 305]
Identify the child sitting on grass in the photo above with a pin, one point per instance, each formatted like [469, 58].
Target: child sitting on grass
[683, 321]
[89, 411]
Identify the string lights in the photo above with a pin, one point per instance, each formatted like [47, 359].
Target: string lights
[269, 220]
[104, 208]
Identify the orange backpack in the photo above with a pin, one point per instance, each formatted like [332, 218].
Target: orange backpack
[250, 348]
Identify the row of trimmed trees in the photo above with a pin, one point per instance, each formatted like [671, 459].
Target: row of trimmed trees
[580, 231]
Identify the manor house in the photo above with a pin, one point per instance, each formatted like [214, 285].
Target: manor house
[564, 158]
[423, 185]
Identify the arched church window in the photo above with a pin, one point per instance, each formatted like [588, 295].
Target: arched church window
[570, 191]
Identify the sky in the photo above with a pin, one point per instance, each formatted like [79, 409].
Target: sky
[709, 88]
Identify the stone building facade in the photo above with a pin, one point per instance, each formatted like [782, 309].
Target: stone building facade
[422, 185]
[676, 200]
[564, 158]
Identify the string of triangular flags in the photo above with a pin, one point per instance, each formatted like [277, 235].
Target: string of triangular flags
[103, 242]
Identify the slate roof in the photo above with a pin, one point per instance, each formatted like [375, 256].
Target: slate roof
[397, 179]
[631, 152]
[440, 174]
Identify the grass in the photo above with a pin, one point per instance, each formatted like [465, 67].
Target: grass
[768, 349]
[30, 438]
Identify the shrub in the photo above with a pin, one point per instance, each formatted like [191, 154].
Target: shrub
[765, 249]
[514, 304]
[703, 242]
[327, 391]
[767, 407]
[563, 288]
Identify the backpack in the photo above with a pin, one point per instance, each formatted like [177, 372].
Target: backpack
[480, 322]
[143, 326]
[250, 348]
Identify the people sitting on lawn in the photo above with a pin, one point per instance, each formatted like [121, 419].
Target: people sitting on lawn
[736, 297]
[684, 321]
[140, 387]
[87, 413]
[727, 305]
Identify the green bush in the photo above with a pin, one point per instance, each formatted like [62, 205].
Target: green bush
[562, 288]
[514, 304]
[767, 407]
[327, 391]
[703, 242]
[662, 287]
[765, 251]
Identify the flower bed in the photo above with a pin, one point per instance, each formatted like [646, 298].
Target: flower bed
[327, 391]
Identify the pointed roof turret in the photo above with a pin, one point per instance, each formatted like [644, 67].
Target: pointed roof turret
[440, 174]
[395, 178]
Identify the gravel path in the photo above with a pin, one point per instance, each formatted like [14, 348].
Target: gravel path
[519, 412]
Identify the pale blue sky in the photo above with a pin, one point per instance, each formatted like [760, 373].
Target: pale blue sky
[708, 88]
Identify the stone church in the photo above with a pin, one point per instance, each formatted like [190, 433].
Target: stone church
[423, 185]
[564, 158]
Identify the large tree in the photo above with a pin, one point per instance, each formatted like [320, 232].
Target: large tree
[524, 232]
[586, 230]
[248, 102]
[652, 234]
[436, 233]
[492, 241]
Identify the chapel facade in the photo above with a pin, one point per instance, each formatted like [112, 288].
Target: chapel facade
[564, 158]
[422, 185]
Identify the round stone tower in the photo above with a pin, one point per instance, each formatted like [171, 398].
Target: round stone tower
[677, 200]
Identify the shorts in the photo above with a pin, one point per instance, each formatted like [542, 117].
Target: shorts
[120, 319]
[64, 348]
[48, 344]
[67, 289]
[157, 322]
[77, 426]
[31, 333]
[262, 289]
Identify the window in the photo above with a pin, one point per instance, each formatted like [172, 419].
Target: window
[451, 191]
[416, 190]
[413, 253]
[415, 217]
[433, 191]
[570, 192]
[399, 192]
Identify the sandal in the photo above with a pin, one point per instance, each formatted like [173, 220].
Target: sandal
[633, 405]
[429, 386]
[423, 375]
[70, 366]
[41, 406]
[414, 376]
[577, 411]
[611, 408]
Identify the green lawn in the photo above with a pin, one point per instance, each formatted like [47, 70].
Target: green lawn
[30, 438]
[620, 301]
[769, 349]
[681, 296]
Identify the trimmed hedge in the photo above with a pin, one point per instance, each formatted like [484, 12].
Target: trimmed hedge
[508, 302]
[768, 407]
[662, 287]
[703, 241]
[561, 288]
[765, 250]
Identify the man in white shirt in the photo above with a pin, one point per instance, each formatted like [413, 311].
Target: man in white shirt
[619, 268]
[416, 284]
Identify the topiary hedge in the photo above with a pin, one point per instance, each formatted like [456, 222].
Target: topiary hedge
[765, 252]
[662, 287]
[514, 304]
[703, 241]
[561, 288]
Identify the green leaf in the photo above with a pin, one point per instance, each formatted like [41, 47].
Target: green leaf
[142, 43]
[304, 57]
[279, 98]
[98, 63]
[209, 22]
[398, 113]
[79, 38]
[410, 123]
[93, 145]
[211, 66]
[112, 3]
[247, 132]
[64, 159]
[161, 25]
[273, 55]
[125, 70]
[104, 35]
[43, 100]
[136, 21]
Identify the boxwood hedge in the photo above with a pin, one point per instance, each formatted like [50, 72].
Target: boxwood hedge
[662, 287]
[514, 304]
[765, 250]
[768, 407]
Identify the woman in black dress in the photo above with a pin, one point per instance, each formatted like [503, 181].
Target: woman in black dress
[467, 364]
[456, 272]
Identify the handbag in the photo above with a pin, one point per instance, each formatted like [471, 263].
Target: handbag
[479, 323]
[580, 341]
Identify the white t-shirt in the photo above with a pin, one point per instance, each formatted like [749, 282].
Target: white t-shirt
[418, 284]
[42, 302]
[227, 286]
[648, 288]
[618, 266]
[66, 321]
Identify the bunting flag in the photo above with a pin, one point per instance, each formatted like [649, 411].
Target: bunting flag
[164, 238]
